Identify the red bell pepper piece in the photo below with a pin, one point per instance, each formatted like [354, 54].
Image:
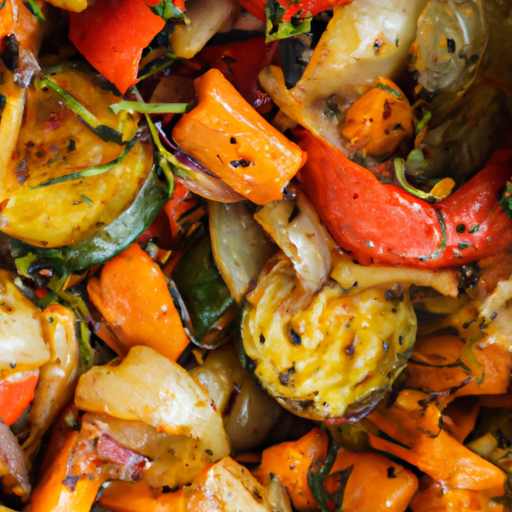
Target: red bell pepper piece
[308, 7]
[111, 35]
[386, 224]
[15, 397]
[241, 64]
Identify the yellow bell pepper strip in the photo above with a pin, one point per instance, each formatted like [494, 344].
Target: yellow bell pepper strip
[228, 137]
[387, 224]
[111, 35]
[133, 296]
[52, 494]
[120, 496]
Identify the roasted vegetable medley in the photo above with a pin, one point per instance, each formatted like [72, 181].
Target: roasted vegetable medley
[255, 256]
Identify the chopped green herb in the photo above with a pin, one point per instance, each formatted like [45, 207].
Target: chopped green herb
[104, 132]
[91, 171]
[386, 88]
[426, 118]
[475, 228]
[86, 200]
[370, 244]
[34, 9]
[464, 245]
[151, 108]
[3, 102]
[167, 10]
[506, 200]
[158, 65]
[442, 245]
[279, 29]
[317, 473]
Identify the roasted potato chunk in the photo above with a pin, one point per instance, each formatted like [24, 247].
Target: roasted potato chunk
[329, 356]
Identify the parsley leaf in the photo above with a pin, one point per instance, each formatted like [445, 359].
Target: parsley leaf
[279, 29]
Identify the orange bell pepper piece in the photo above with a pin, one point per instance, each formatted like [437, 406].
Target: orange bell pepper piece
[494, 365]
[111, 35]
[392, 486]
[447, 460]
[439, 499]
[16, 396]
[290, 463]
[133, 296]
[6, 20]
[52, 494]
[121, 496]
[460, 417]
[228, 137]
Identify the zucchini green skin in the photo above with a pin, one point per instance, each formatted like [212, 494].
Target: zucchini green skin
[203, 291]
[109, 240]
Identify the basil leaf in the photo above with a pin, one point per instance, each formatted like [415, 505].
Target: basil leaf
[167, 10]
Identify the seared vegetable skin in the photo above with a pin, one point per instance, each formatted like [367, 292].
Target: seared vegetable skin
[329, 356]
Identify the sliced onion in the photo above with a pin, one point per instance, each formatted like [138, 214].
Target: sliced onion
[11, 456]
[210, 188]
[207, 17]
[355, 277]
[227, 486]
[148, 387]
[297, 230]
[198, 179]
[240, 246]
[58, 377]
[501, 294]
